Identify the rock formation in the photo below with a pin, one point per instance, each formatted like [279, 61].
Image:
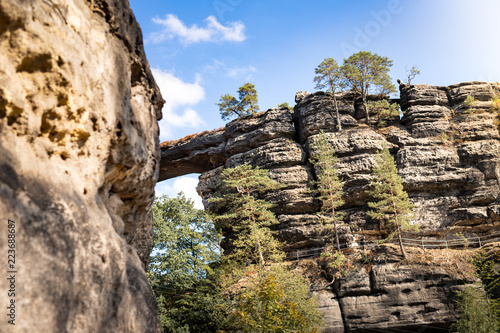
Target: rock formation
[79, 158]
[447, 153]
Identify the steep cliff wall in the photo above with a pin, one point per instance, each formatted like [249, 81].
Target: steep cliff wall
[448, 154]
[79, 158]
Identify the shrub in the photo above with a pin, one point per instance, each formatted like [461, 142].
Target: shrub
[496, 103]
[444, 137]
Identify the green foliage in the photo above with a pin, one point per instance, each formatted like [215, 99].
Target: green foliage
[411, 74]
[230, 107]
[480, 311]
[276, 300]
[470, 101]
[286, 105]
[463, 239]
[185, 242]
[444, 137]
[329, 186]
[241, 210]
[365, 71]
[329, 75]
[488, 275]
[264, 299]
[496, 104]
[392, 205]
[383, 111]
[336, 261]
[478, 314]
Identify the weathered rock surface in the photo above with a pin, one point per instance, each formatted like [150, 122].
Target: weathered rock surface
[448, 155]
[407, 297]
[209, 150]
[79, 158]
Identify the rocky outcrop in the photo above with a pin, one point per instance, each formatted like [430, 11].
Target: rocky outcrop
[211, 149]
[79, 157]
[447, 153]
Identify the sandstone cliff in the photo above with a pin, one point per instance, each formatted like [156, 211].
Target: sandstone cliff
[79, 158]
[447, 153]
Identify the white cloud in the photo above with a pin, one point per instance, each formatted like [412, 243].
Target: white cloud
[178, 94]
[212, 32]
[237, 72]
[184, 184]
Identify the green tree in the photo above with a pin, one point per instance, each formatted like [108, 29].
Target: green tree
[230, 107]
[383, 110]
[329, 75]
[249, 217]
[277, 300]
[478, 314]
[329, 186]
[392, 204]
[364, 72]
[185, 242]
[477, 304]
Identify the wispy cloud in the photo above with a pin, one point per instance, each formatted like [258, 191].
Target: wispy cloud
[234, 72]
[212, 32]
[179, 95]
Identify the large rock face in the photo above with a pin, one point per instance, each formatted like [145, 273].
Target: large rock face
[79, 158]
[447, 153]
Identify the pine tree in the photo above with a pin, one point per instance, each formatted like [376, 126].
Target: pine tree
[249, 217]
[364, 71]
[329, 186]
[329, 75]
[230, 107]
[392, 204]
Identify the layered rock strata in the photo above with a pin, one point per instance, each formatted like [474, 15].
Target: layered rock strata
[447, 153]
[79, 159]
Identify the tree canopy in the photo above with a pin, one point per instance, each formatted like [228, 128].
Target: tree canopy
[277, 300]
[329, 75]
[185, 242]
[365, 72]
[242, 211]
[230, 107]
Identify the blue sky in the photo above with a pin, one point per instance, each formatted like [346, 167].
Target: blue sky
[200, 50]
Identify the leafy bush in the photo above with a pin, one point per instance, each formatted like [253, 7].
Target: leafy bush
[444, 137]
[496, 103]
[336, 261]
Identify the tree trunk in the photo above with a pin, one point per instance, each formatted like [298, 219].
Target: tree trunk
[367, 112]
[401, 243]
[339, 125]
[261, 256]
